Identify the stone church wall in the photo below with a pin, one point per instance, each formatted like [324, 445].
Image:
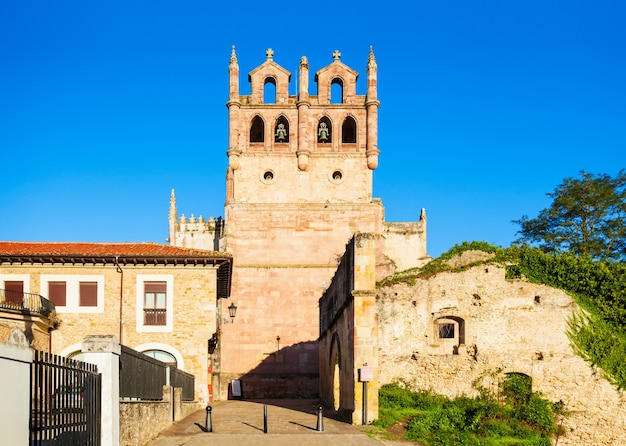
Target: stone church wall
[348, 333]
[499, 324]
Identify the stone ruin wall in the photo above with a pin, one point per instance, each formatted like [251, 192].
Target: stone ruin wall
[510, 325]
[348, 332]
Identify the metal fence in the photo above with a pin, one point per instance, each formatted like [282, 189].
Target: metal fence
[141, 377]
[185, 380]
[65, 401]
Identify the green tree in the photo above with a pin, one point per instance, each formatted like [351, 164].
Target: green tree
[586, 218]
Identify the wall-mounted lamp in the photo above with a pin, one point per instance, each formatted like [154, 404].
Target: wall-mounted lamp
[232, 311]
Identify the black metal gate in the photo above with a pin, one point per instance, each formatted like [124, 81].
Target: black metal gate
[65, 401]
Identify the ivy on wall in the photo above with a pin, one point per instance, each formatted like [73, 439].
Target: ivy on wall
[597, 333]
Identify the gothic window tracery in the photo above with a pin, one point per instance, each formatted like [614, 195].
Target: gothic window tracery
[257, 130]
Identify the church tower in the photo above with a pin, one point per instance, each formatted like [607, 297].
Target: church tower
[299, 185]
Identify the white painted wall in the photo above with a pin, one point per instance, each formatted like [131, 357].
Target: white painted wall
[15, 363]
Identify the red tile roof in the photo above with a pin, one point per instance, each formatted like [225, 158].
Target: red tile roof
[79, 249]
[119, 254]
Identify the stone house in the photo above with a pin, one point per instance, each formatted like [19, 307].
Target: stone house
[158, 299]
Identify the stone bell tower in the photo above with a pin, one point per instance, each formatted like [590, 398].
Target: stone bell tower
[299, 185]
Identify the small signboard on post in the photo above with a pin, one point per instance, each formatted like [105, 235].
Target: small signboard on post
[366, 374]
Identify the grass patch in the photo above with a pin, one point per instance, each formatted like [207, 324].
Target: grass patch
[509, 418]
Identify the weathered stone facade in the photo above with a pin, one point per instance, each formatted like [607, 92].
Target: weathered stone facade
[299, 186]
[349, 334]
[36, 328]
[447, 331]
[190, 319]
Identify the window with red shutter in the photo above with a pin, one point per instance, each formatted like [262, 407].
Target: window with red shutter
[56, 293]
[14, 292]
[88, 294]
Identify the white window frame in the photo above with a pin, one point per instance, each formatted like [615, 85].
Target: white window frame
[72, 291]
[169, 303]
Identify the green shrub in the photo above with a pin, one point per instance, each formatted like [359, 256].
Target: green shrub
[516, 389]
[539, 413]
[516, 416]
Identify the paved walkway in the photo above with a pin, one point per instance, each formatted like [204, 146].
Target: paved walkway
[289, 423]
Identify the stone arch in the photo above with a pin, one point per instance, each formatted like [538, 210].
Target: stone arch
[449, 331]
[158, 346]
[162, 355]
[335, 367]
[257, 129]
[336, 91]
[285, 122]
[269, 90]
[73, 351]
[324, 130]
[348, 131]
[516, 388]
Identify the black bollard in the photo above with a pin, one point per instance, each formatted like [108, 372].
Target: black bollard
[320, 418]
[265, 418]
[209, 420]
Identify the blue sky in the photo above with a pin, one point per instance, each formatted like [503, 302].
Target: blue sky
[485, 106]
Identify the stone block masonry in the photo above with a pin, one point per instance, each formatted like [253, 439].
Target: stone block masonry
[496, 324]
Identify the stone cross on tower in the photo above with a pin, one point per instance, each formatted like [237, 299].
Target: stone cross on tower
[269, 54]
[336, 55]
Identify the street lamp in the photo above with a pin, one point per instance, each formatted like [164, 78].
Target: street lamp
[213, 342]
[232, 311]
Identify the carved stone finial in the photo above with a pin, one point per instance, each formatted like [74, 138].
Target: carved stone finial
[192, 219]
[233, 57]
[423, 214]
[371, 60]
[183, 219]
[336, 55]
[269, 54]
[304, 62]
[201, 219]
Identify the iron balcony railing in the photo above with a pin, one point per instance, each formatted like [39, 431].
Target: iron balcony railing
[29, 302]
